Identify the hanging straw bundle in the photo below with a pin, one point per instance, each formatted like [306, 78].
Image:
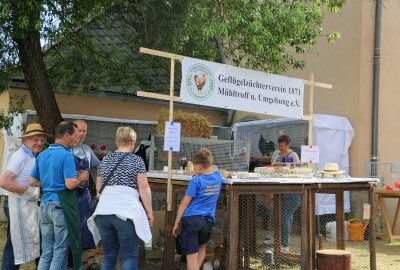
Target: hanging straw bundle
[192, 124]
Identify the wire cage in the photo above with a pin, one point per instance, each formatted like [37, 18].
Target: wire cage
[387, 172]
[227, 154]
[263, 134]
[270, 231]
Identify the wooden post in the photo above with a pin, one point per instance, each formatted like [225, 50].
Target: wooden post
[311, 110]
[171, 98]
[171, 118]
[310, 117]
[233, 229]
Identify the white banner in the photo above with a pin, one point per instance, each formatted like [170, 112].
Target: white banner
[223, 86]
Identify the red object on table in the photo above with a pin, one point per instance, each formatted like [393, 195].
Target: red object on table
[389, 188]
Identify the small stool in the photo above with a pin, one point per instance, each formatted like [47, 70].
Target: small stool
[333, 259]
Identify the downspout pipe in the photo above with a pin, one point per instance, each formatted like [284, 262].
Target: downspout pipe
[375, 94]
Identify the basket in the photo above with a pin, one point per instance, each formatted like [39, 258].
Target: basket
[356, 229]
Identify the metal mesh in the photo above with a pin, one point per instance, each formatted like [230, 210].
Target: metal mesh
[153, 258]
[227, 155]
[264, 134]
[355, 234]
[387, 172]
[103, 132]
[223, 133]
[260, 246]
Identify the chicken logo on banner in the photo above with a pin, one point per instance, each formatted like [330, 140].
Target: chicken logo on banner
[200, 82]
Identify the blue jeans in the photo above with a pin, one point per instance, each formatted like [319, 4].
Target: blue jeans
[55, 241]
[8, 253]
[289, 205]
[118, 236]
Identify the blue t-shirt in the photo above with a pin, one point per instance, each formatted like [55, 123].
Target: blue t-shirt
[204, 190]
[52, 167]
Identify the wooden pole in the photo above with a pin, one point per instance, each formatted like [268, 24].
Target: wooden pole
[311, 109]
[171, 119]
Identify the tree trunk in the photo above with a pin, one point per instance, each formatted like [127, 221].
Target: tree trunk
[38, 81]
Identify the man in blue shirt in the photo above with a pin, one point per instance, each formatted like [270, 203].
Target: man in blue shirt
[196, 213]
[55, 172]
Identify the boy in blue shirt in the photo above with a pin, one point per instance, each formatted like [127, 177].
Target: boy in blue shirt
[196, 213]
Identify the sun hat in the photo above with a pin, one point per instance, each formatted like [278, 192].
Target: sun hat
[32, 130]
[332, 168]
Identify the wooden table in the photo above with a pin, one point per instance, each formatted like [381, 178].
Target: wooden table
[234, 189]
[383, 194]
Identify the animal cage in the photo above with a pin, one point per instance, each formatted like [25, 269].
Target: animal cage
[101, 130]
[264, 134]
[227, 154]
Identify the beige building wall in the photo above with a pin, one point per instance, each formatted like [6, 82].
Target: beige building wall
[4, 107]
[119, 108]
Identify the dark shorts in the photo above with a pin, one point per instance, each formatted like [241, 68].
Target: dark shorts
[195, 231]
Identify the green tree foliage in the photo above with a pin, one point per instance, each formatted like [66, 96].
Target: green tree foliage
[93, 45]
[262, 35]
[23, 25]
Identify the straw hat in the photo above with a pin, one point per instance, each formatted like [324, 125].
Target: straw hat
[332, 168]
[32, 130]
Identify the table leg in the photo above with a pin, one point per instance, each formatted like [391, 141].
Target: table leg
[312, 229]
[277, 226]
[340, 220]
[371, 195]
[396, 216]
[304, 230]
[387, 219]
[169, 245]
[233, 208]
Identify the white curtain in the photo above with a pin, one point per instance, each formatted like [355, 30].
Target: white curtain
[333, 135]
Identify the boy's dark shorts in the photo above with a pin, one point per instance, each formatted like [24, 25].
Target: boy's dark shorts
[195, 231]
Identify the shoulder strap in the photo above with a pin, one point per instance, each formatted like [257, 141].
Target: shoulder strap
[289, 153]
[107, 179]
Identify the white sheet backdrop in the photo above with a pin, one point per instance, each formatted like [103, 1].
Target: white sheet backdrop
[333, 135]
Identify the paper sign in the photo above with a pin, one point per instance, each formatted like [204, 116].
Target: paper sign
[366, 211]
[309, 154]
[172, 136]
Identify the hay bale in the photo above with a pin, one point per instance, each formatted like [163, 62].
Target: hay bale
[192, 124]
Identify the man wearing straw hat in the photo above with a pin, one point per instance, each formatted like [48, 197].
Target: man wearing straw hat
[23, 240]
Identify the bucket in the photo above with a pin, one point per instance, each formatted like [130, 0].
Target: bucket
[268, 258]
[330, 230]
[356, 229]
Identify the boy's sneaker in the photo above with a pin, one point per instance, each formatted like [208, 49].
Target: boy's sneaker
[285, 249]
